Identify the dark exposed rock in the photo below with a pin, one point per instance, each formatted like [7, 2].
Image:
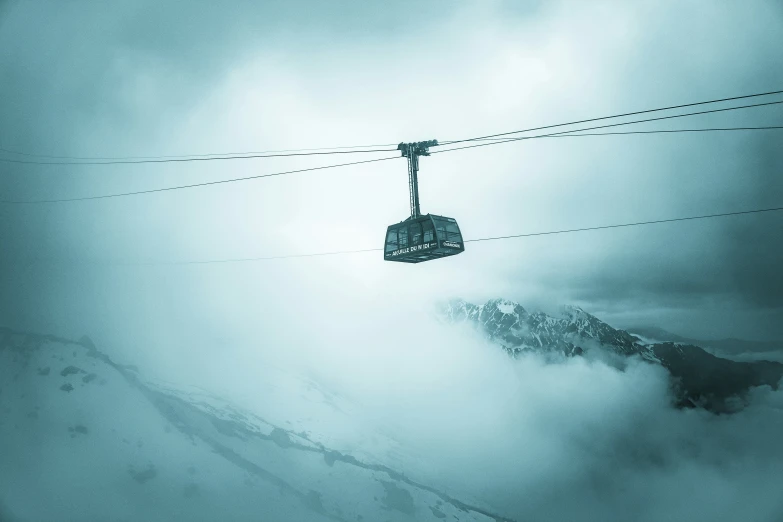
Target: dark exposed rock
[70, 370]
[280, 437]
[230, 428]
[143, 476]
[397, 498]
[331, 456]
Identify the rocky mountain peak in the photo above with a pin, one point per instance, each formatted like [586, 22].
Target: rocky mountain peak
[506, 307]
[574, 331]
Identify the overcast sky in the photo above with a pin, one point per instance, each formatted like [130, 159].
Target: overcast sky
[157, 78]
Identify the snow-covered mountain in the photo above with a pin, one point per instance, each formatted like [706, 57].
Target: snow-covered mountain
[83, 438]
[518, 330]
[699, 378]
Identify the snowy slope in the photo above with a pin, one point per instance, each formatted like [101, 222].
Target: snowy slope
[86, 439]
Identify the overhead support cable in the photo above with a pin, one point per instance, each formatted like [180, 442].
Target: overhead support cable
[494, 141]
[571, 134]
[193, 158]
[577, 134]
[635, 113]
[192, 185]
[108, 160]
[202, 155]
[646, 120]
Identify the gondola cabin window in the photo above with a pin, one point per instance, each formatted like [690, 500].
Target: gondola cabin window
[391, 241]
[429, 231]
[402, 237]
[415, 229]
[452, 233]
[441, 228]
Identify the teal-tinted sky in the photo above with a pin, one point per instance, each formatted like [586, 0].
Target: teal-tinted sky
[153, 78]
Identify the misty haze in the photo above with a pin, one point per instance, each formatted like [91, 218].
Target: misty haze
[476, 261]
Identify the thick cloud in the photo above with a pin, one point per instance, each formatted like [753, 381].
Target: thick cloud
[574, 440]
[583, 439]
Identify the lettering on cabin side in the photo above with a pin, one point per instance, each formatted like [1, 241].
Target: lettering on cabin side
[413, 248]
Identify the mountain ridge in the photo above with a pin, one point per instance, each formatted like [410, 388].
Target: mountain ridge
[724, 346]
[699, 378]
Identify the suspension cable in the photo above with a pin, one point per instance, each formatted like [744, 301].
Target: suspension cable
[646, 120]
[192, 185]
[206, 157]
[614, 116]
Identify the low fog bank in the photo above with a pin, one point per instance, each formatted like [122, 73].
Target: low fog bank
[584, 438]
[578, 439]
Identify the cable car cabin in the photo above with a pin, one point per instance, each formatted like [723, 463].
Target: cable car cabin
[423, 238]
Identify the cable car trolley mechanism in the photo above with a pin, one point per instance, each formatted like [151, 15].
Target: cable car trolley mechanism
[421, 237]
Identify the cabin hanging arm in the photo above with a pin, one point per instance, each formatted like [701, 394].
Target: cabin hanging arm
[412, 151]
